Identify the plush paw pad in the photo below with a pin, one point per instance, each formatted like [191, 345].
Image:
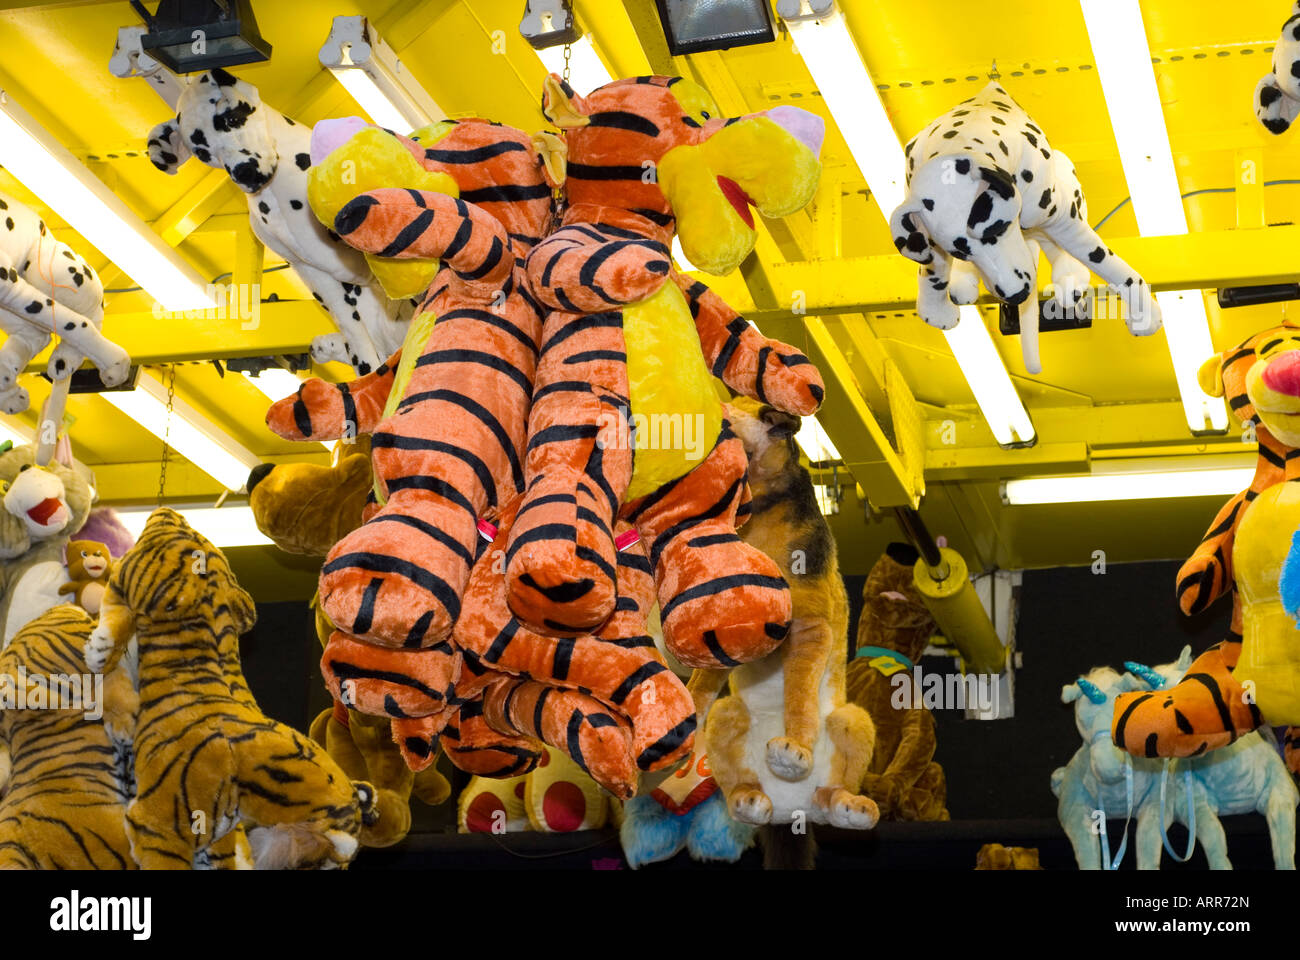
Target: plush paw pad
[789, 759]
[849, 811]
[750, 805]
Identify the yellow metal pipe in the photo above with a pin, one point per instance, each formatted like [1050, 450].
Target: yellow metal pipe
[957, 609]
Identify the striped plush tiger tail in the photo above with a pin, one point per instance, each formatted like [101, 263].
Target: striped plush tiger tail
[748, 362]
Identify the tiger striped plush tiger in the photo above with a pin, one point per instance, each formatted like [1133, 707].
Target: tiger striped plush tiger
[447, 445]
[630, 350]
[1208, 708]
[206, 758]
[69, 775]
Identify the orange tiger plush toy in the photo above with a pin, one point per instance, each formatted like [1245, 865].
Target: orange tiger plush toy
[1208, 708]
[625, 421]
[447, 416]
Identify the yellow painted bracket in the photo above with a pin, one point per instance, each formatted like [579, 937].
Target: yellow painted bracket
[866, 450]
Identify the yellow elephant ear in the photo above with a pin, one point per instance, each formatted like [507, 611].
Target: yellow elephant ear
[1210, 376]
[554, 154]
[560, 105]
[402, 278]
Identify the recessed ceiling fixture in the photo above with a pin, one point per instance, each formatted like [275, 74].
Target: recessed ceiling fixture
[226, 526]
[1119, 46]
[831, 56]
[377, 80]
[49, 170]
[192, 35]
[694, 26]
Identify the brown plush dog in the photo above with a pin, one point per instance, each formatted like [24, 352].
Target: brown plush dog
[904, 780]
[785, 743]
[994, 856]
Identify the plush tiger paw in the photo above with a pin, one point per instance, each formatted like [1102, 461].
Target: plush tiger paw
[846, 810]
[315, 412]
[99, 648]
[388, 683]
[789, 759]
[792, 383]
[749, 804]
[1205, 710]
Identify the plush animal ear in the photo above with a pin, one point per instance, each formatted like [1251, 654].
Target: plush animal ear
[1070, 693]
[994, 207]
[1210, 376]
[167, 148]
[779, 423]
[1275, 110]
[1129, 682]
[561, 105]
[910, 235]
[554, 154]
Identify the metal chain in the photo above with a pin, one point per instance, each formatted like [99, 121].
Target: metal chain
[167, 431]
[568, 52]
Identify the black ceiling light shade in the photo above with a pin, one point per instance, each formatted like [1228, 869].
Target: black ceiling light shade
[187, 36]
[549, 23]
[694, 26]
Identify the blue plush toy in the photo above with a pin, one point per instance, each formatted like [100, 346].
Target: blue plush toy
[652, 832]
[1289, 584]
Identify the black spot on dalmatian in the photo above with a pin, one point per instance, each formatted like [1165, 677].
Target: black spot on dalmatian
[950, 134]
[928, 204]
[1268, 95]
[67, 255]
[202, 154]
[168, 160]
[994, 231]
[59, 364]
[317, 296]
[262, 206]
[9, 223]
[962, 165]
[998, 120]
[1098, 255]
[1074, 211]
[34, 307]
[981, 209]
[3, 205]
[223, 79]
[1003, 147]
[1033, 140]
[233, 118]
[1027, 176]
[961, 248]
[289, 122]
[1295, 68]
[916, 242]
[303, 160]
[41, 225]
[1047, 154]
[1276, 125]
[198, 137]
[1000, 181]
[1045, 199]
[296, 204]
[248, 174]
[69, 326]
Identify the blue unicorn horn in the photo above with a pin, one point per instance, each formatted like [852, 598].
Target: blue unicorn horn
[1091, 691]
[1143, 672]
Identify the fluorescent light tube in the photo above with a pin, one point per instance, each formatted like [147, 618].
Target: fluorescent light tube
[832, 57]
[231, 526]
[814, 441]
[1119, 48]
[586, 72]
[191, 435]
[375, 77]
[50, 171]
[1160, 485]
[276, 383]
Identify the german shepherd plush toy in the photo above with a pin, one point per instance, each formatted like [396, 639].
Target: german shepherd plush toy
[786, 741]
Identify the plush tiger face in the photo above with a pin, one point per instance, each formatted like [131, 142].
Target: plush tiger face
[1261, 379]
[660, 147]
[174, 574]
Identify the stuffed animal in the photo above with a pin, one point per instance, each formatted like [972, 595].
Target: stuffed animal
[994, 856]
[556, 797]
[1102, 778]
[984, 188]
[47, 289]
[1277, 96]
[105, 526]
[202, 745]
[41, 508]
[69, 775]
[1242, 553]
[305, 508]
[448, 418]
[625, 421]
[221, 121]
[786, 741]
[895, 627]
[1247, 776]
[89, 565]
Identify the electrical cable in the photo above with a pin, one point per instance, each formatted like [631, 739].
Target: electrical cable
[1190, 193]
[217, 279]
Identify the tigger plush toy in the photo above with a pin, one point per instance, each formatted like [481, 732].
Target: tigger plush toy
[1253, 677]
[984, 189]
[629, 346]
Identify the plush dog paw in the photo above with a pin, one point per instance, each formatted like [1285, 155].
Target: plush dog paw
[115, 366]
[750, 805]
[845, 810]
[1141, 311]
[789, 759]
[330, 347]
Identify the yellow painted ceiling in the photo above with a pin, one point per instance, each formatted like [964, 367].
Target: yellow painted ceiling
[924, 57]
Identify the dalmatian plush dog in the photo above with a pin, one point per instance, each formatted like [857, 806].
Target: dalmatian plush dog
[1277, 96]
[47, 289]
[221, 121]
[987, 191]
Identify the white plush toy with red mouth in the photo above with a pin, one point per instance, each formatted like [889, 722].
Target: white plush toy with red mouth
[42, 508]
[986, 190]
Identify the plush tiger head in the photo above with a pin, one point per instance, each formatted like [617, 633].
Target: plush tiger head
[40, 503]
[172, 576]
[1277, 95]
[660, 147]
[1261, 379]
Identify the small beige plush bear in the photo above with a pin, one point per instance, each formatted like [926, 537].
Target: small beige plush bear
[89, 565]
